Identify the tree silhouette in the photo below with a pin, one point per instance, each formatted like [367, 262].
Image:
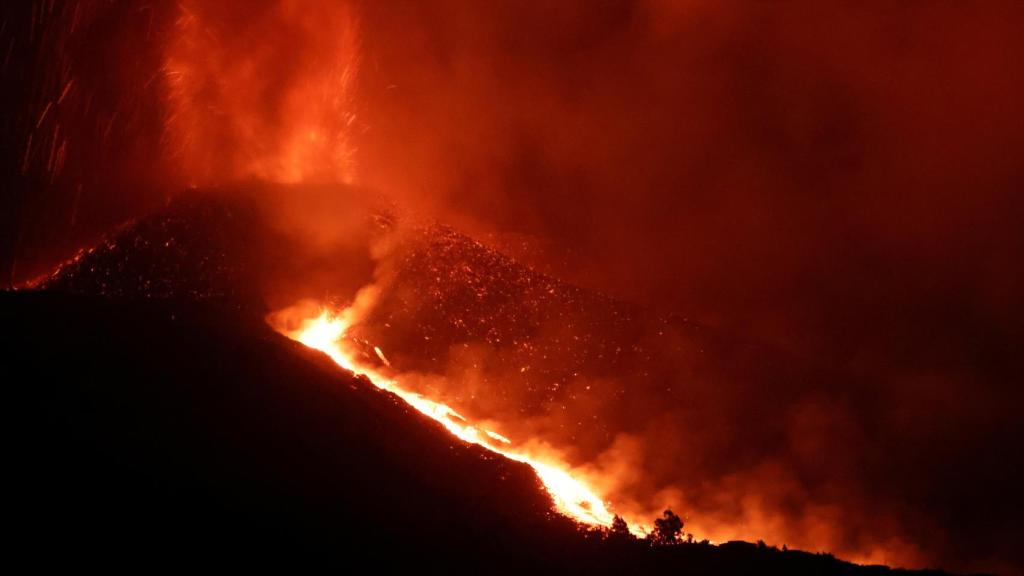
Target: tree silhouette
[619, 529]
[667, 529]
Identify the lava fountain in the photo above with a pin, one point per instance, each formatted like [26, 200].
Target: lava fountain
[262, 91]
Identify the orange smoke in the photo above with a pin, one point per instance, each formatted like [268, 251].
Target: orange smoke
[262, 90]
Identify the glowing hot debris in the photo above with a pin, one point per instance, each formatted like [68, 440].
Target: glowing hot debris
[498, 437]
[572, 497]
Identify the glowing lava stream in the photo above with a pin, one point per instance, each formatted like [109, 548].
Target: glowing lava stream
[571, 497]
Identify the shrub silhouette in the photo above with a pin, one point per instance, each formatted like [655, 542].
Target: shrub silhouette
[619, 530]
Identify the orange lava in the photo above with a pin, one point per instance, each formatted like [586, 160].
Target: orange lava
[571, 495]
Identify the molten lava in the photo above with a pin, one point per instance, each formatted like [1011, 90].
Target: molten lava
[326, 329]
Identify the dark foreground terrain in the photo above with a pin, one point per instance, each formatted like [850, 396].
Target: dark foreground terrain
[170, 429]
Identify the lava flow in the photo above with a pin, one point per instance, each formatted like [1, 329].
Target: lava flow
[326, 329]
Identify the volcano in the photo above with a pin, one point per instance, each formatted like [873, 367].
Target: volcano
[157, 412]
[599, 287]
